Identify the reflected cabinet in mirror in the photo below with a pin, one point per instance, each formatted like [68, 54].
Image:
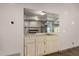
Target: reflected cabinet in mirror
[40, 21]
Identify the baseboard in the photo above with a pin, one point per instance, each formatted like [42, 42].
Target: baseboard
[15, 54]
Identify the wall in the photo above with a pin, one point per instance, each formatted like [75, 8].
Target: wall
[11, 36]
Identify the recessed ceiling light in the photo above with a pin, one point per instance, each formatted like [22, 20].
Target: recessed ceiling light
[41, 12]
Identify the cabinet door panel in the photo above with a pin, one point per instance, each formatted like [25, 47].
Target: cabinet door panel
[51, 45]
[30, 49]
[40, 46]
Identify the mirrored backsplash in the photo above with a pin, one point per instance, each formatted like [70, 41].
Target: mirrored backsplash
[40, 21]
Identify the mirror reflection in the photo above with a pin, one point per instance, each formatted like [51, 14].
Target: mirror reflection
[40, 21]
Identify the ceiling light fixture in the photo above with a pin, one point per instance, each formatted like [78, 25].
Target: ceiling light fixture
[41, 12]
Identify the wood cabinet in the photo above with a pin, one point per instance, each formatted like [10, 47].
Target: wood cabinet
[51, 44]
[30, 49]
[30, 46]
[41, 45]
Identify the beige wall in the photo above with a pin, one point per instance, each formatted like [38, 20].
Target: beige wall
[11, 36]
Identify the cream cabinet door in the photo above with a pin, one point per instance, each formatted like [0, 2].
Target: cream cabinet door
[30, 48]
[51, 45]
[39, 46]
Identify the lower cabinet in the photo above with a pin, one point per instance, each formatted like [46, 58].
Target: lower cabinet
[41, 46]
[51, 45]
[30, 48]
